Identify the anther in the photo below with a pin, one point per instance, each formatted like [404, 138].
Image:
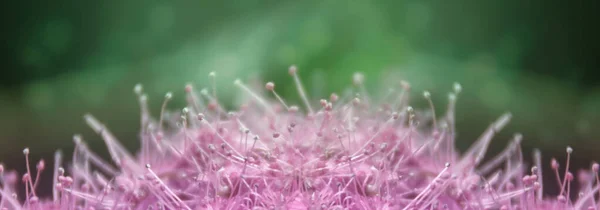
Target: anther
[329, 106]
[457, 87]
[383, 146]
[395, 115]
[452, 97]
[569, 176]
[356, 101]
[188, 88]
[562, 198]
[41, 165]
[426, 94]
[270, 86]
[554, 164]
[137, 89]
[292, 70]
[536, 185]
[333, 97]
[358, 78]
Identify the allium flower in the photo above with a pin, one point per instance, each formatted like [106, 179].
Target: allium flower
[349, 153]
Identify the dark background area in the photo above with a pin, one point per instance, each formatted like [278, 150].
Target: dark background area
[537, 59]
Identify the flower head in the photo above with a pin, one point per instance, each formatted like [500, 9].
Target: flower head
[349, 152]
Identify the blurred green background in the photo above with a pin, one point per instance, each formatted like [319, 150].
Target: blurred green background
[536, 59]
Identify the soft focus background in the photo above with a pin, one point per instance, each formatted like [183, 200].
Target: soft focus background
[537, 59]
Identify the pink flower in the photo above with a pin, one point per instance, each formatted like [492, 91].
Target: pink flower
[347, 153]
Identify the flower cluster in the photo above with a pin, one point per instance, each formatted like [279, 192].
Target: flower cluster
[349, 153]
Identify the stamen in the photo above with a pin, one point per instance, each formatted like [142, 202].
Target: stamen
[292, 70]
[569, 151]
[427, 189]
[168, 97]
[399, 103]
[26, 153]
[476, 152]
[193, 100]
[119, 154]
[595, 168]
[537, 156]
[144, 111]
[427, 96]
[358, 80]
[259, 99]
[270, 86]
[162, 184]
[40, 167]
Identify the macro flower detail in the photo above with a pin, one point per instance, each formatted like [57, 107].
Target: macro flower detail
[348, 151]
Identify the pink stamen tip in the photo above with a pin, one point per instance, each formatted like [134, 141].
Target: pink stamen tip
[41, 165]
[569, 176]
[554, 164]
[270, 86]
[188, 88]
[533, 177]
[26, 177]
[292, 70]
[536, 185]
[526, 179]
[595, 167]
[323, 102]
[562, 198]
[213, 105]
[356, 101]
[333, 97]
[34, 199]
